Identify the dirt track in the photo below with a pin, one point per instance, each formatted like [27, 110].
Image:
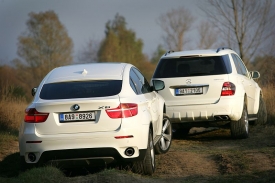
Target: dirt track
[214, 154]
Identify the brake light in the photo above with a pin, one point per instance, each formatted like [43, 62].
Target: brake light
[33, 116]
[124, 110]
[228, 89]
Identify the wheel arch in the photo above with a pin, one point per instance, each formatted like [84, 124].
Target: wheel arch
[245, 100]
[258, 95]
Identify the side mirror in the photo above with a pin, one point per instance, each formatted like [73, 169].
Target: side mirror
[158, 85]
[34, 91]
[254, 74]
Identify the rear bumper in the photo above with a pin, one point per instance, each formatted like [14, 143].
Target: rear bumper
[88, 157]
[83, 146]
[227, 106]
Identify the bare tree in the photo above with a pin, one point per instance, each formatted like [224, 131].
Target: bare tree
[208, 35]
[246, 24]
[89, 53]
[176, 23]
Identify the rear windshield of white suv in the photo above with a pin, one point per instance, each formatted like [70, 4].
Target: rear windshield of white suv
[193, 66]
[80, 89]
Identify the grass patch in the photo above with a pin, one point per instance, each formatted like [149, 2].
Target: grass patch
[13, 115]
[6, 137]
[43, 174]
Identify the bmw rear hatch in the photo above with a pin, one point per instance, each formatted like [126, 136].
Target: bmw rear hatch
[78, 107]
[76, 98]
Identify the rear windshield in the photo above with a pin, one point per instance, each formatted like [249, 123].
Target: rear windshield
[81, 89]
[192, 66]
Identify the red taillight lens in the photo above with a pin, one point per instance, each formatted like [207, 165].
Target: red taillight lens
[33, 116]
[124, 110]
[228, 89]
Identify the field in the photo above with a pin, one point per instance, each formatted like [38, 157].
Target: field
[200, 157]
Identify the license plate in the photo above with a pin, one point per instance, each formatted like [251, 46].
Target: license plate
[74, 117]
[188, 91]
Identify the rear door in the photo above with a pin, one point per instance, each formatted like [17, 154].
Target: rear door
[248, 83]
[142, 87]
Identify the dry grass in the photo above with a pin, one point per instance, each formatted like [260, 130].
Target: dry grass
[269, 94]
[12, 114]
[12, 111]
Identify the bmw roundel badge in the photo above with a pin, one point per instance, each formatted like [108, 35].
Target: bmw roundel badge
[75, 107]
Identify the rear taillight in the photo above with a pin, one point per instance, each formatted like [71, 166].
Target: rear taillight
[228, 89]
[124, 110]
[33, 116]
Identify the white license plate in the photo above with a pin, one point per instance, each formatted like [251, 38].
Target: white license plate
[73, 117]
[188, 91]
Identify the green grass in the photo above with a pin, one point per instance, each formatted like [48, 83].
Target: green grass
[43, 174]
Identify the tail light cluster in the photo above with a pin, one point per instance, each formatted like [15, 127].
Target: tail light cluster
[124, 110]
[228, 89]
[33, 116]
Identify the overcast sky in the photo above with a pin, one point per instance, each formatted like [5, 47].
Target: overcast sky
[86, 19]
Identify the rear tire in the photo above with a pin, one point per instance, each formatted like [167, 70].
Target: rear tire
[240, 128]
[262, 113]
[164, 143]
[147, 165]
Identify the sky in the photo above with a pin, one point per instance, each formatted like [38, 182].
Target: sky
[85, 20]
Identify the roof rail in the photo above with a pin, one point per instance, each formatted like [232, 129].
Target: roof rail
[168, 52]
[222, 48]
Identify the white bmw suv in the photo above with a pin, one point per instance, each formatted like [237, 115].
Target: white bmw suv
[205, 88]
[102, 112]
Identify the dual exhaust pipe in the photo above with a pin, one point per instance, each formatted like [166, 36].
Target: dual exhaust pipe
[221, 118]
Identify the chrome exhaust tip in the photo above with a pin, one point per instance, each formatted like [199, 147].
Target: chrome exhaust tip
[31, 157]
[221, 118]
[129, 151]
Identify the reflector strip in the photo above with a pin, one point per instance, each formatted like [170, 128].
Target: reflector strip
[124, 137]
[33, 142]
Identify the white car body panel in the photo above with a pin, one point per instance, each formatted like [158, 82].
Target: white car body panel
[204, 107]
[53, 136]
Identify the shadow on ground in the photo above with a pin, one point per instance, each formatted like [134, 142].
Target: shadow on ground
[9, 166]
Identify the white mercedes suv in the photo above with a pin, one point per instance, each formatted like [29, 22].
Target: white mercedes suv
[205, 88]
[102, 112]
